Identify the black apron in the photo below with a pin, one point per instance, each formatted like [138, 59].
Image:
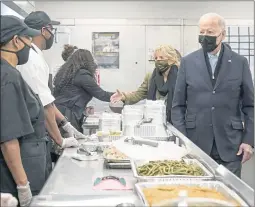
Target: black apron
[33, 155]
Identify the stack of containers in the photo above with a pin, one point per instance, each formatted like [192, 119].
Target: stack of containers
[155, 110]
[110, 122]
[131, 116]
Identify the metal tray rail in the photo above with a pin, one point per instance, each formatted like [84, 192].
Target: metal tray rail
[136, 163]
[216, 185]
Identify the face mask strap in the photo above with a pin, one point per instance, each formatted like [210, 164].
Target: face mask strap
[15, 52]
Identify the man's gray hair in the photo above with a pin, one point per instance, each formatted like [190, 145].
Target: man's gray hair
[222, 22]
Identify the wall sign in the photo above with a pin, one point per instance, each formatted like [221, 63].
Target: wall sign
[105, 48]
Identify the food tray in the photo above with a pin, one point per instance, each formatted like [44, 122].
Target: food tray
[201, 202]
[121, 165]
[136, 163]
[116, 160]
[216, 185]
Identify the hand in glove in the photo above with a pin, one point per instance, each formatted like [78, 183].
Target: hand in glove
[69, 142]
[7, 200]
[24, 195]
[72, 132]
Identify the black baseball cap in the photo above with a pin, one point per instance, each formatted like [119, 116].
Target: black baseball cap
[39, 19]
[11, 26]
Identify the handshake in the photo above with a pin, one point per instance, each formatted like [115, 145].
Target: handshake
[119, 96]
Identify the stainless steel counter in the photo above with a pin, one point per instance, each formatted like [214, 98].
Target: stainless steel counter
[71, 181]
[71, 184]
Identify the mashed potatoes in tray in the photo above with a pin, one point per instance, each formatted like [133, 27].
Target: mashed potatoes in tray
[158, 194]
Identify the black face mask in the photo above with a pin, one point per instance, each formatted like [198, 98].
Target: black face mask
[208, 43]
[22, 54]
[162, 65]
[49, 42]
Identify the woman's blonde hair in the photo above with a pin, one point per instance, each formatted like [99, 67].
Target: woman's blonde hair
[170, 53]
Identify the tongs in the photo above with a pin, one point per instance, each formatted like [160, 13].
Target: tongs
[171, 137]
[134, 141]
[83, 151]
[144, 121]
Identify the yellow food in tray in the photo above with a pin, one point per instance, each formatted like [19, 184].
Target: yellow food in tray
[111, 133]
[115, 133]
[169, 167]
[158, 194]
[112, 153]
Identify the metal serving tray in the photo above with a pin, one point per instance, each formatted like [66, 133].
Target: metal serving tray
[111, 165]
[136, 163]
[115, 160]
[216, 185]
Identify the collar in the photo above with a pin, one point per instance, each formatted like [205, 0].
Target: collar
[36, 49]
[217, 54]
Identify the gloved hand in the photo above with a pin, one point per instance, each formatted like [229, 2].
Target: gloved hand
[72, 132]
[7, 200]
[69, 142]
[24, 195]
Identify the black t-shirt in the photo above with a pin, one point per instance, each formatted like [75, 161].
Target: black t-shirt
[19, 106]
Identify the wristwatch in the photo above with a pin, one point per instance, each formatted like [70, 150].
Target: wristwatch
[62, 122]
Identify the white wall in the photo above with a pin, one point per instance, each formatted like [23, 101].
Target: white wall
[146, 9]
[142, 25]
[5, 10]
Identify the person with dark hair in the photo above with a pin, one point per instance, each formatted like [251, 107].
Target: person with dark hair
[68, 50]
[23, 134]
[36, 73]
[75, 85]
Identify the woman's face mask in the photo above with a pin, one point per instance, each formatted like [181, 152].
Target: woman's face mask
[22, 54]
[162, 65]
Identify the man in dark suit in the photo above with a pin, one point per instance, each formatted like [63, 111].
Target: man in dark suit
[211, 83]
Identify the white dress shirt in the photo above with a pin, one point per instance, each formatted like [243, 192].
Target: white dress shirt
[36, 73]
[213, 59]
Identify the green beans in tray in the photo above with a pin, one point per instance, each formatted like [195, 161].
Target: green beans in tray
[169, 167]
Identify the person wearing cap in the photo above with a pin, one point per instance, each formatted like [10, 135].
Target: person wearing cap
[23, 133]
[36, 74]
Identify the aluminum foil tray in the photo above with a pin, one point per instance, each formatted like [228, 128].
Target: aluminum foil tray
[216, 185]
[136, 163]
[115, 160]
[122, 165]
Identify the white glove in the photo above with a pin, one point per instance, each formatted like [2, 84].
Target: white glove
[24, 195]
[7, 200]
[72, 132]
[69, 142]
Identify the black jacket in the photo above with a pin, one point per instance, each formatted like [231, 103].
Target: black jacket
[74, 97]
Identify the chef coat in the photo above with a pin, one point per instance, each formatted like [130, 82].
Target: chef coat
[22, 118]
[36, 73]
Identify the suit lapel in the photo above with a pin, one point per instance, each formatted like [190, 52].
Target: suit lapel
[202, 67]
[225, 66]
